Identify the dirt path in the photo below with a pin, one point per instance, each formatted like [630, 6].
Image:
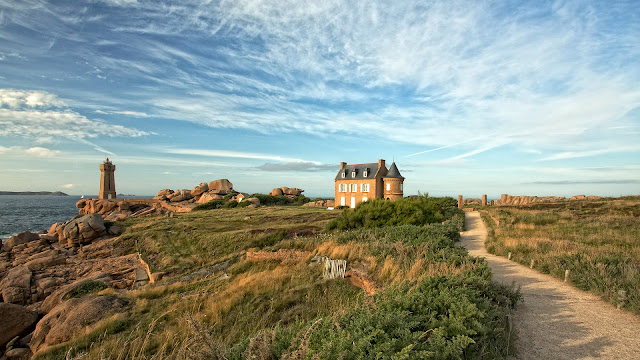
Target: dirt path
[556, 320]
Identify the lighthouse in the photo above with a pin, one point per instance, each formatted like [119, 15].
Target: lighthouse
[107, 180]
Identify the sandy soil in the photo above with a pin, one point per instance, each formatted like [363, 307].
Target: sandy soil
[556, 320]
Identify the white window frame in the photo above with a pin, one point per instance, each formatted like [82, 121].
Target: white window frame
[364, 188]
[344, 173]
[401, 187]
[365, 199]
[365, 173]
[353, 174]
[353, 188]
[353, 202]
[388, 187]
[343, 201]
[342, 187]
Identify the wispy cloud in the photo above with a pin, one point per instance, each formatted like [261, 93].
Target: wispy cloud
[235, 154]
[33, 152]
[589, 153]
[18, 118]
[296, 166]
[587, 182]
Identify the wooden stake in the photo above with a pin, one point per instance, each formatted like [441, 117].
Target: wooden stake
[509, 256]
[566, 275]
[533, 262]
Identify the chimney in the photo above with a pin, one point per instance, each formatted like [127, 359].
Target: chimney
[342, 165]
[381, 163]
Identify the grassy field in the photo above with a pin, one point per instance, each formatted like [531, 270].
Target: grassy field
[430, 299]
[598, 241]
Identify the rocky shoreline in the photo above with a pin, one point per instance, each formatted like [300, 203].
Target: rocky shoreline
[58, 283]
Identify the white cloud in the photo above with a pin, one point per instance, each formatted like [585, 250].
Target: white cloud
[21, 152]
[68, 186]
[68, 124]
[589, 153]
[41, 152]
[20, 98]
[235, 154]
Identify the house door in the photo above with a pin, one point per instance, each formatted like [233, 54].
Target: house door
[342, 201]
[353, 202]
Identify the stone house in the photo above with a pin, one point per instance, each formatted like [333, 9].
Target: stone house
[356, 183]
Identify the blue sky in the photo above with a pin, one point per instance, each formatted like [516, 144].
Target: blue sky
[468, 97]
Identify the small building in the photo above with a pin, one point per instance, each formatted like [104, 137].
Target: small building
[356, 183]
[107, 180]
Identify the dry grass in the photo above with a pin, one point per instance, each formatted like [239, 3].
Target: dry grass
[598, 241]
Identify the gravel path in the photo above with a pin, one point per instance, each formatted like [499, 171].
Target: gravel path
[556, 320]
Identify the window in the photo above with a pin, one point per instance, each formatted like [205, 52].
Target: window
[365, 173]
[342, 201]
[364, 199]
[401, 187]
[344, 174]
[364, 187]
[388, 187]
[342, 188]
[354, 187]
[353, 174]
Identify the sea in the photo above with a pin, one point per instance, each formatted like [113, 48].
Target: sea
[34, 213]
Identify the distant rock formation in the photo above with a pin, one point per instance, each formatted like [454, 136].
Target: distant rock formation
[49, 193]
[286, 191]
[321, 204]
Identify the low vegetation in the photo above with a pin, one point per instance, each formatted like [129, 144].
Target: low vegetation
[598, 241]
[425, 298]
[409, 211]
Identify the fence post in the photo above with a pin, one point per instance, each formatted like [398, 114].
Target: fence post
[566, 275]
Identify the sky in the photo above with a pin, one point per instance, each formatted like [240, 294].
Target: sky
[468, 97]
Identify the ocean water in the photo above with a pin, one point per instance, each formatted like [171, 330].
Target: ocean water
[34, 212]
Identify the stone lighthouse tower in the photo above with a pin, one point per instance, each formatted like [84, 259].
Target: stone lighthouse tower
[107, 180]
[393, 182]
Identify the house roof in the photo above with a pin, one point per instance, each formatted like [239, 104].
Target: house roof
[393, 172]
[359, 169]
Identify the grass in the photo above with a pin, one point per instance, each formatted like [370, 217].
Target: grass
[597, 240]
[432, 299]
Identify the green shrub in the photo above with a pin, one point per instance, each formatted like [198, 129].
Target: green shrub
[280, 200]
[408, 211]
[243, 203]
[438, 318]
[213, 204]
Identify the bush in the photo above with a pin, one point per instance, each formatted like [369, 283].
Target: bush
[213, 204]
[408, 211]
[280, 200]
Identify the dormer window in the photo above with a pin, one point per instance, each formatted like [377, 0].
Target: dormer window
[353, 174]
[344, 174]
[365, 173]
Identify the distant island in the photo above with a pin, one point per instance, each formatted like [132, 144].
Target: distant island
[51, 193]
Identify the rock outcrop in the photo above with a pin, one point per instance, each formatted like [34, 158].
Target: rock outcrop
[16, 286]
[80, 230]
[21, 238]
[16, 321]
[71, 318]
[286, 191]
[506, 199]
[221, 184]
[321, 204]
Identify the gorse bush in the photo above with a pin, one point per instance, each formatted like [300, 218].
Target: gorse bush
[408, 211]
[270, 200]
